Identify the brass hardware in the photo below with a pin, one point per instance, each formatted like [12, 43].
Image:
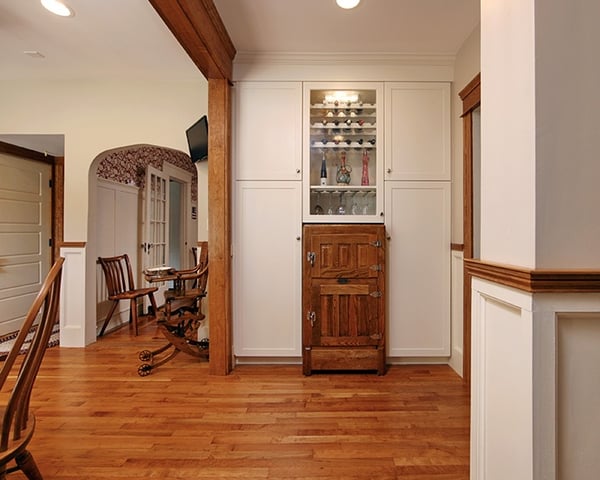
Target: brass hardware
[376, 243]
[376, 336]
[312, 318]
[310, 256]
[377, 267]
[376, 294]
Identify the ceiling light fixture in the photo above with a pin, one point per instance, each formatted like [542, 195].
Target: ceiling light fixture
[57, 8]
[347, 4]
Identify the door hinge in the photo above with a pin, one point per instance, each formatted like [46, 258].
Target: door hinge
[50, 183]
[376, 294]
[49, 242]
[310, 256]
[377, 267]
[312, 318]
[376, 244]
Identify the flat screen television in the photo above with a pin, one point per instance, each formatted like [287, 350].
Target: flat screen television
[197, 138]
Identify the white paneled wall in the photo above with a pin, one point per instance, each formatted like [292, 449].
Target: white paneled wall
[117, 233]
[534, 384]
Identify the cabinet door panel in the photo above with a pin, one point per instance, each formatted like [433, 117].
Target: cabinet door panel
[268, 130]
[418, 223]
[267, 269]
[344, 255]
[346, 314]
[417, 131]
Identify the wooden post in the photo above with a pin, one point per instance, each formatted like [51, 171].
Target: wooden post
[219, 226]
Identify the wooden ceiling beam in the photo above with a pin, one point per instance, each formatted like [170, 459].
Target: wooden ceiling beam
[198, 28]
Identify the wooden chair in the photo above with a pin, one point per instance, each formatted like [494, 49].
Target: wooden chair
[120, 285]
[182, 315]
[18, 422]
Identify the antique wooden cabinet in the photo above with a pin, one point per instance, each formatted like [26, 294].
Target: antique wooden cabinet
[343, 325]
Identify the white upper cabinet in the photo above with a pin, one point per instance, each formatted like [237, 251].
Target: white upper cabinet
[268, 131]
[417, 131]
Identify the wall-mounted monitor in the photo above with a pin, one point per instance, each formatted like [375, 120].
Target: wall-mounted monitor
[197, 138]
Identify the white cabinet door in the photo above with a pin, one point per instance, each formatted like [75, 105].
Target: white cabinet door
[418, 225]
[417, 131]
[267, 269]
[268, 130]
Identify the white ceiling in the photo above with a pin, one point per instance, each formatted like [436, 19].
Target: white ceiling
[127, 38]
[422, 27]
[105, 38]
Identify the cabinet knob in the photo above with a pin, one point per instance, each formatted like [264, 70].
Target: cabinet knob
[298, 238]
[297, 170]
[389, 170]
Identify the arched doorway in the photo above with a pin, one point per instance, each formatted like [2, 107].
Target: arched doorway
[119, 215]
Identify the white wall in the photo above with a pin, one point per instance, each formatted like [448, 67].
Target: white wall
[466, 66]
[508, 132]
[567, 134]
[96, 116]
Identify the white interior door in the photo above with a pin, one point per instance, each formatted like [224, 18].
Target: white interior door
[25, 233]
[155, 248]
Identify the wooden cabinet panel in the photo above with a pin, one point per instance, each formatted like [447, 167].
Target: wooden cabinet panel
[339, 253]
[343, 298]
[346, 313]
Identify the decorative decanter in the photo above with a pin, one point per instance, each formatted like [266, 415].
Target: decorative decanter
[364, 179]
[343, 171]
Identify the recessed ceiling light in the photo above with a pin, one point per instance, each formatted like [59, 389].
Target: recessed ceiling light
[58, 8]
[347, 4]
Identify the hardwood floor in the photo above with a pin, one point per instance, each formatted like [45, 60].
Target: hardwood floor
[97, 419]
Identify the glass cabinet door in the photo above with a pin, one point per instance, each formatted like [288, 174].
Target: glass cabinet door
[342, 136]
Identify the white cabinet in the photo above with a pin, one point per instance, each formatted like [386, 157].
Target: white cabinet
[267, 134]
[418, 226]
[417, 131]
[343, 142]
[267, 269]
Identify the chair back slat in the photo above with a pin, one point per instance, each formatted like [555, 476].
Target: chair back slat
[45, 307]
[118, 274]
[203, 265]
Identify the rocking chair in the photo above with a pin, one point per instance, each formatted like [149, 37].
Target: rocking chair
[182, 315]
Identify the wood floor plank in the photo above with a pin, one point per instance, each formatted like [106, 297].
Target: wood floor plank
[97, 419]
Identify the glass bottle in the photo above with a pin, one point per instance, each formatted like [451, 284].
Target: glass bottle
[323, 171]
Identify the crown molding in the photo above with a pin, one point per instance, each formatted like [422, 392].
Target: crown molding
[325, 58]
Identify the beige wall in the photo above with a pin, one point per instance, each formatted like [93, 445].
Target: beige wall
[99, 115]
[466, 66]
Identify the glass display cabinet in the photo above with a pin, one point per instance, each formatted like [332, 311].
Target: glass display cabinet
[343, 171]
